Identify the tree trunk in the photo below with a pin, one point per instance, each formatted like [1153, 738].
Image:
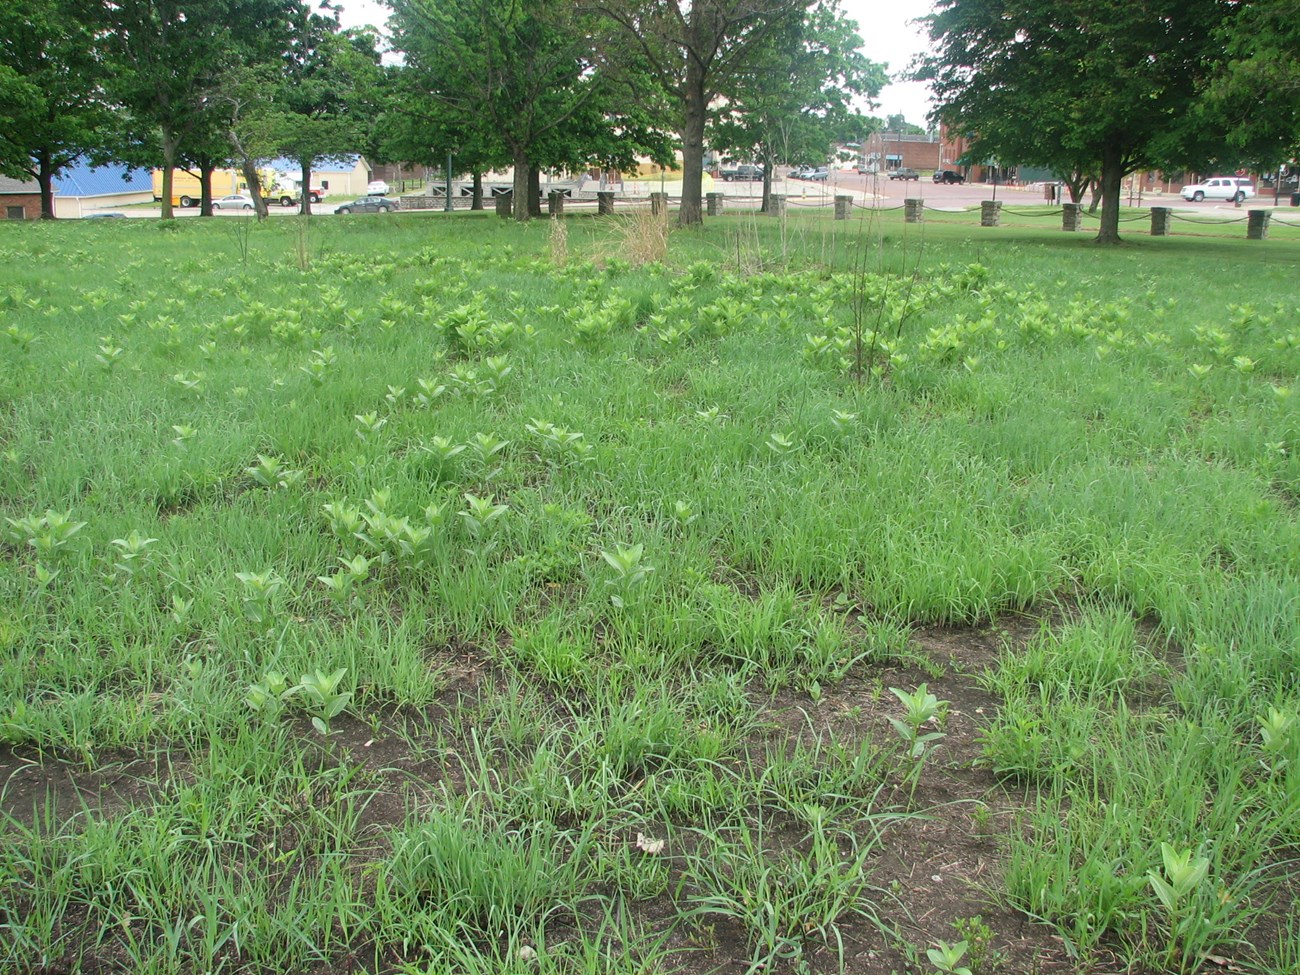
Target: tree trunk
[248, 166]
[535, 192]
[765, 159]
[45, 177]
[476, 193]
[169, 145]
[697, 107]
[205, 187]
[519, 199]
[1112, 179]
[305, 191]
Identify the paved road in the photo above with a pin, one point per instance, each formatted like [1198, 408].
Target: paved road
[867, 190]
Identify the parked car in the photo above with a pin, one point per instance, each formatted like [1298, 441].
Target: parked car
[369, 204]
[743, 171]
[377, 188]
[820, 174]
[236, 201]
[948, 176]
[1232, 188]
[904, 173]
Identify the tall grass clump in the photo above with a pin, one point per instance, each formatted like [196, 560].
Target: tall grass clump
[640, 237]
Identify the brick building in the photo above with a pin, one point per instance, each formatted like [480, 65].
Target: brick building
[20, 199]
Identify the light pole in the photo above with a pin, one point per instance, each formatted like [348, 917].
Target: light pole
[448, 207]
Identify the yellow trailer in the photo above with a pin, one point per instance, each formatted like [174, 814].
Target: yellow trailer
[187, 190]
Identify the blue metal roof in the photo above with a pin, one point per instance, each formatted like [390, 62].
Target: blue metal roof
[336, 164]
[81, 179]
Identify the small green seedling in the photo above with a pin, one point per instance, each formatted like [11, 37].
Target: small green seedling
[259, 591]
[630, 571]
[947, 958]
[922, 707]
[781, 444]
[482, 518]
[841, 421]
[484, 446]
[683, 513]
[271, 472]
[323, 698]
[191, 382]
[369, 425]
[428, 392]
[49, 534]
[442, 449]
[1184, 873]
[130, 550]
[1278, 733]
[343, 582]
[267, 696]
[109, 354]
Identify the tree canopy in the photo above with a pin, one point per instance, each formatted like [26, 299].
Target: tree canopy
[695, 52]
[803, 93]
[52, 110]
[514, 74]
[1114, 84]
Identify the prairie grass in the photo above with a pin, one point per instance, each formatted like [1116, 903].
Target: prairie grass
[594, 573]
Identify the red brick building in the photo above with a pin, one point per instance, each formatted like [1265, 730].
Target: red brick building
[19, 199]
[924, 153]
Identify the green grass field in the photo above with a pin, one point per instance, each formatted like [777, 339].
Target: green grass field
[434, 594]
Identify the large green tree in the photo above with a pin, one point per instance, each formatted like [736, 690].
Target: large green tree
[514, 72]
[51, 107]
[329, 95]
[696, 50]
[801, 95]
[167, 59]
[1060, 82]
[418, 128]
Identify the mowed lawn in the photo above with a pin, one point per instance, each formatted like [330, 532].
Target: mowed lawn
[435, 594]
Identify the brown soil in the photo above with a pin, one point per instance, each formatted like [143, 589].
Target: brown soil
[940, 868]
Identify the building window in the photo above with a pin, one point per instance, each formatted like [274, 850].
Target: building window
[15, 213]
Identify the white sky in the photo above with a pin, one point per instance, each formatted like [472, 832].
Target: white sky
[883, 25]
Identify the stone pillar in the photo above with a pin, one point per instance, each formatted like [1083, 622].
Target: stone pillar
[1257, 224]
[713, 204]
[843, 206]
[1071, 216]
[913, 210]
[605, 202]
[659, 204]
[990, 213]
[776, 205]
[1160, 219]
[555, 203]
[503, 201]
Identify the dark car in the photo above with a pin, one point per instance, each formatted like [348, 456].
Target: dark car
[948, 176]
[743, 171]
[369, 204]
[904, 173]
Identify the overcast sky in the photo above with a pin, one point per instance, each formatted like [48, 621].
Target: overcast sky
[887, 36]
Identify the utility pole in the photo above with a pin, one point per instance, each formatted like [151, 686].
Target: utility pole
[448, 207]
